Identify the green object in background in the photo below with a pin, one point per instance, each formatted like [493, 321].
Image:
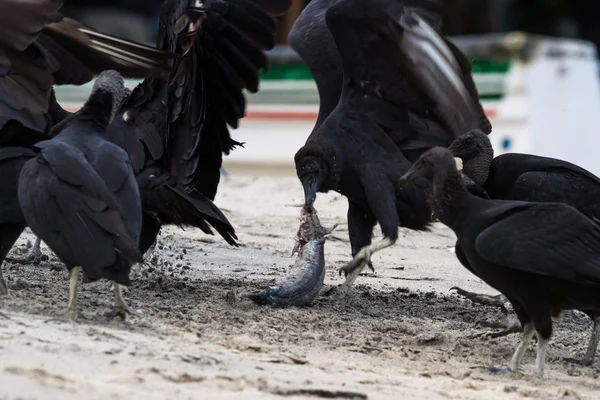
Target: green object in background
[287, 72]
[292, 83]
[301, 72]
[488, 75]
[482, 66]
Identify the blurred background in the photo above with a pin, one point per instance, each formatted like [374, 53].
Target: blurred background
[534, 64]
[137, 19]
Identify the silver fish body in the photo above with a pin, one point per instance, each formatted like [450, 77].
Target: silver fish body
[302, 283]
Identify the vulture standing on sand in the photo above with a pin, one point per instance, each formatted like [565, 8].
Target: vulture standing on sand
[80, 196]
[39, 48]
[175, 127]
[544, 257]
[404, 90]
[526, 177]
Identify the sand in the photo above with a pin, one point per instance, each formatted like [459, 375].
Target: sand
[398, 334]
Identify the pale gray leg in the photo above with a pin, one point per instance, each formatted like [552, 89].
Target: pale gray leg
[3, 286]
[121, 308]
[34, 256]
[515, 361]
[590, 354]
[540, 359]
[73, 283]
[593, 345]
[36, 252]
[363, 259]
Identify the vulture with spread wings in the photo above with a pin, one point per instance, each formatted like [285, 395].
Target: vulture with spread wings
[176, 128]
[404, 90]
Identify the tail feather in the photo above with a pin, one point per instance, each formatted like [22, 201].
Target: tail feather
[205, 209]
[172, 206]
[128, 249]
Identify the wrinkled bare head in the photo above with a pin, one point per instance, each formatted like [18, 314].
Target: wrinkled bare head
[431, 163]
[439, 167]
[312, 172]
[110, 86]
[476, 152]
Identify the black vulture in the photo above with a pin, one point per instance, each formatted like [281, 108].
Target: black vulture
[527, 177]
[543, 256]
[80, 196]
[40, 48]
[175, 128]
[404, 90]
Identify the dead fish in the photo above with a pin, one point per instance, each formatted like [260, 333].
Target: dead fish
[310, 228]
[303, 282]
[305, 279]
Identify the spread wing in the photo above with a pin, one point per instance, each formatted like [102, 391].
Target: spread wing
[83, 52]
[400, 60]
[46, 49]
[21, 21]
[140, 129]
[548, 239]
[223, 44]
[434, 66]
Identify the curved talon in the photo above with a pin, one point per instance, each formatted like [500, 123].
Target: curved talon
[68, 317]
[351, 267]
[122, 312]
[370, 265]
[494, 335]
[500, 370]
[121, 309]
[488, 300]
[362, 258]
[35, 256]
[583, 362]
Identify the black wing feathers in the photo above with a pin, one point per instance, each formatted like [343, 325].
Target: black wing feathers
[40, 48]
[61, 158]
[22, 21]
[568, 242]
[172, 206]
[61, 193]
[225, 57]
[410, 66]
[139, 126]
